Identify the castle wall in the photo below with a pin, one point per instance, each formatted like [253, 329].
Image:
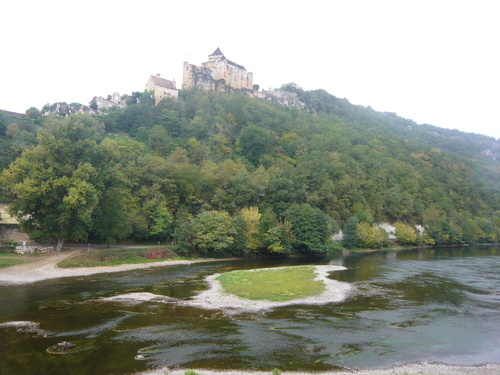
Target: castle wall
[211, 73]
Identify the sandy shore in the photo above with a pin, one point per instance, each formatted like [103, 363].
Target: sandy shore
[46, 268]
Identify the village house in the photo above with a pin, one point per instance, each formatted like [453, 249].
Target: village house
[162, 88]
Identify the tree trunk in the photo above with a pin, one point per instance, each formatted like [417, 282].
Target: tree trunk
[59, 244]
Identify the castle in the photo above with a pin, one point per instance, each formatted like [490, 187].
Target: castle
[217, 72]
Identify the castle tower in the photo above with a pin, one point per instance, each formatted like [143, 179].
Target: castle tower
[217, 55]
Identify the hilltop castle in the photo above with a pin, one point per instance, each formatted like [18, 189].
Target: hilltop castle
[217, 71]
[216, 74]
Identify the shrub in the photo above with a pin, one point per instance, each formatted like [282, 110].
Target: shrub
[7, 246]
[406, 234]
[160, 254]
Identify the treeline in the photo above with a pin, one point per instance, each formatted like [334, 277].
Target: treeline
[220, 172]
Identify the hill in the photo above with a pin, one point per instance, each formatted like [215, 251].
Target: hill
[229, 173]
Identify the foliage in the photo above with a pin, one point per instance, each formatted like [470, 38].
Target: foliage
[213, 231]
[310, 228]
[371, 237]
[251, 217]
[351, 234]
[302, 171]
[7, 245]
[406, 234]
[253, 142]
[56, 186]
[281, 284]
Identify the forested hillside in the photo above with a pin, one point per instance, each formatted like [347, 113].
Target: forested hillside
[220, 172]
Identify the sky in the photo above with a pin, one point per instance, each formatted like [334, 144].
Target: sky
[435, 62]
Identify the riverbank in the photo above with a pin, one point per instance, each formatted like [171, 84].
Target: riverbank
[417, 368]
[45, 268]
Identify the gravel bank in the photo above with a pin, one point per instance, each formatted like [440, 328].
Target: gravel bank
[417, 368]
[46, 268]
[215, 299]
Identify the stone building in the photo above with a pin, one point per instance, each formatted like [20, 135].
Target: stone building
[162, 88]
[218, 71]
[114, 100]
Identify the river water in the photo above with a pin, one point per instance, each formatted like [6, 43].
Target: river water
[433, 304]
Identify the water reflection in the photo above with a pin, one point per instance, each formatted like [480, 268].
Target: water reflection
[433, 304]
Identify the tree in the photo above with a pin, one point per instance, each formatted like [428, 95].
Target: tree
[274, 235]
[310, 227]
[253, 142]
[5, 120]
[169, 120]
[55, 186]
[351, 235]
[370, 236]
[213, 231]
[406, 235]
[251, 216]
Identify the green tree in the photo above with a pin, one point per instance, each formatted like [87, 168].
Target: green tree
[55, 186]
[169, 120]
[253, 142]
[275, 236]
[371, 237]
[251, 217]
[159, 139]
[351, 235]
[213, 231]
[310, 227]
[406, 235]
[5, 120]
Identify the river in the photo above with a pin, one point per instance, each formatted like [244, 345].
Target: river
[429, 305]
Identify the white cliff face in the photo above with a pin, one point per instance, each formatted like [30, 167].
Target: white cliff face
[338, 236]
[420, 229]
[389, 229]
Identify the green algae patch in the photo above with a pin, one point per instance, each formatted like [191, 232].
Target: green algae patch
[275, 285]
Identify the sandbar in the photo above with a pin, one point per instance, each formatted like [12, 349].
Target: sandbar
[216, 299]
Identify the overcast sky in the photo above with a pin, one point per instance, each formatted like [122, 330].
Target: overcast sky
[435, 62]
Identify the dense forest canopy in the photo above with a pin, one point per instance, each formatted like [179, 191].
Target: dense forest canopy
[219, 172]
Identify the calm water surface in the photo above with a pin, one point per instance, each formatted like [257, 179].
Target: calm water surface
[439, 304]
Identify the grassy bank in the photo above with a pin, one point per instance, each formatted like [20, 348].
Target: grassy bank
[115, 257]
[11, 259]
[276, 285]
